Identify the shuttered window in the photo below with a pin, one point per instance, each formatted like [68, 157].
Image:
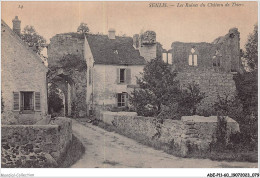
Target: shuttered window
[124, 76]
[16, 99]
[37, 96]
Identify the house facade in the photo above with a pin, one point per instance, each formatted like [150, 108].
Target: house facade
[24, 84]
[116, 64]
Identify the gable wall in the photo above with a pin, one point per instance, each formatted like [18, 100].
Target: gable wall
[21, 71]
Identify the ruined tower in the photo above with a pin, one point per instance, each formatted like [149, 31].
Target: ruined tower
[146, 44]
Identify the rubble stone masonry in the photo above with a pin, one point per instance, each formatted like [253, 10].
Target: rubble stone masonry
[35, 145]
[197, 131]
[213, 84]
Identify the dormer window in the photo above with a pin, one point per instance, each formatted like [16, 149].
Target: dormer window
[193, 57]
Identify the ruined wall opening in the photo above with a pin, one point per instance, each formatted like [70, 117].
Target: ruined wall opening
[61, 94]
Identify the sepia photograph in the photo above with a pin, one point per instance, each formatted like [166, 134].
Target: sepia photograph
[128, 84]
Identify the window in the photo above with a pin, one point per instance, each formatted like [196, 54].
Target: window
[122, 99]
[122, 76]
[167, 57]
[193, 57]
[26, 101]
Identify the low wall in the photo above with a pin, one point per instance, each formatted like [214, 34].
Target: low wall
[197, 131]
[35, 145]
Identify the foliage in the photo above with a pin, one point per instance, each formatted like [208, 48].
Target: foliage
[55, 102]
[83, 28]
[251, 53]
[70, 62]
[228, 105]
[247, 87]
[191, 96]
[33, 39]
[158, 87]
[221, 133]
[160, 94]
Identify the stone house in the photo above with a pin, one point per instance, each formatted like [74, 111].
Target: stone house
[211, 65]
[24, 84]
[113, 63]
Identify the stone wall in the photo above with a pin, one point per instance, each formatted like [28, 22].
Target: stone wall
[63, 44]
[226, 48]
[197, 131]
[35, 145]
[148, 52]
[210, 82]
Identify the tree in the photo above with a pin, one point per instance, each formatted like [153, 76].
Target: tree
[33, 39]
[158, 88]
[251, 53]
[247, 83]
[83, 28]
[191, 96]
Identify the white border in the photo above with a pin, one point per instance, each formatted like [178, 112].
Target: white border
[132, 172]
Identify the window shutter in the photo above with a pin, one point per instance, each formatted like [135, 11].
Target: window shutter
[116, 99]
[126, 99]
[16, 96]
[37, 96]
[128, 76]
[118, 75]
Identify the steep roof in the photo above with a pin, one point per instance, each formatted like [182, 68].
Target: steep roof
[6, 27]
[114, 51]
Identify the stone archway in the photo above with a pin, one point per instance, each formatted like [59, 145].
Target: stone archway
[65, 83]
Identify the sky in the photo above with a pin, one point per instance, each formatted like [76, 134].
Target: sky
[171, 23]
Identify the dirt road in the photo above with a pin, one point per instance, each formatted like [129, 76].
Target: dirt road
[111, 150]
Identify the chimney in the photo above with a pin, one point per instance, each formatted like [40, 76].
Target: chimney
[112, 34]
[17, 25]
[136, 41]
